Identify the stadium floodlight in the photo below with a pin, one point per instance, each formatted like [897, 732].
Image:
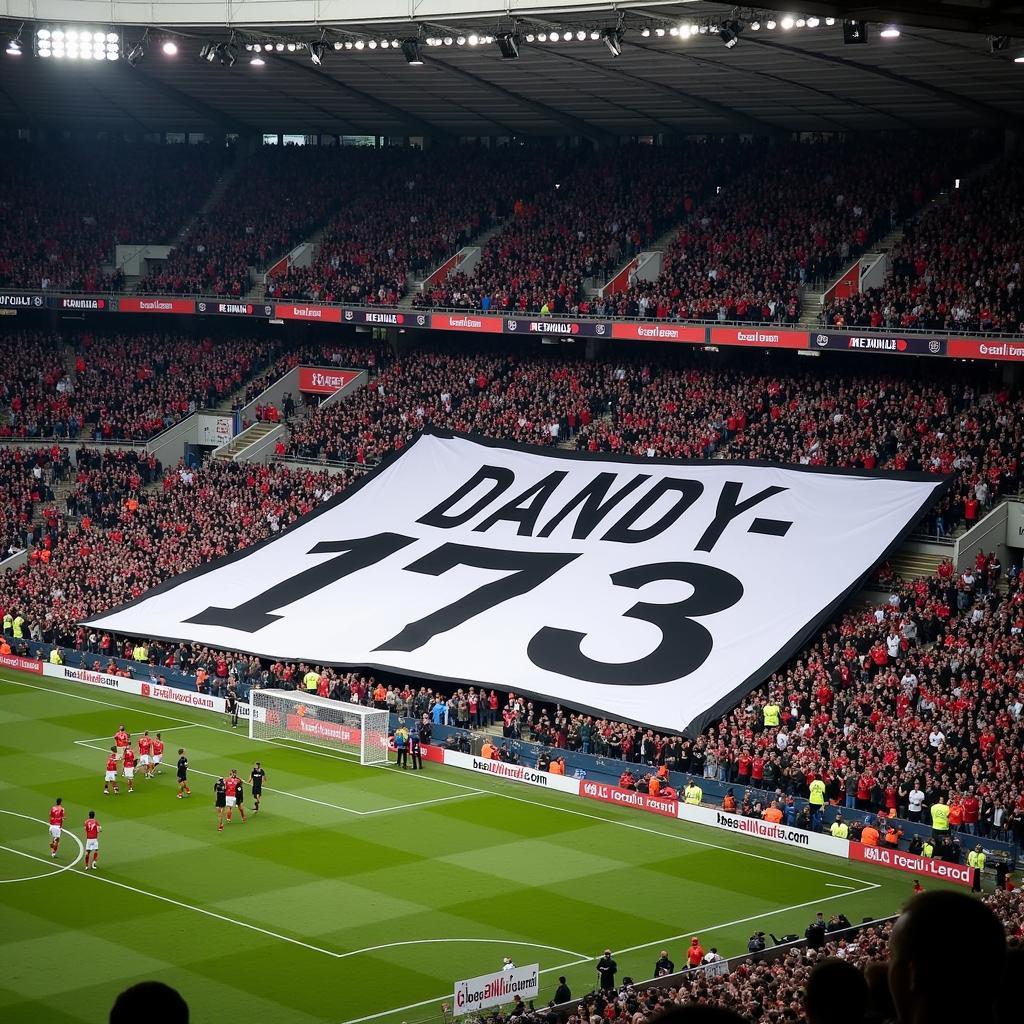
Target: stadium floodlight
[830, 22]
[646, 33]
[170, 48]
[755, 26]
[581, 35]
[508, 45]
[542, 37]
[360, 732]
[460, 40]
[473, 39]
[371, 44]
[14, 46]
[729, 33]
[813, 22]
[890, 32]
[770, 24]
[801, 22]
[612, 38]
[411, 52]
[787, 22]
[1019, 59]
[208, 52]
[384, 44]
[359, 44]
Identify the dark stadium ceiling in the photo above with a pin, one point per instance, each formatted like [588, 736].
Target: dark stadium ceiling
[952, 65]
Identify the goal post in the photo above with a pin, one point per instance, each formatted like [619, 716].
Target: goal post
[351, 729]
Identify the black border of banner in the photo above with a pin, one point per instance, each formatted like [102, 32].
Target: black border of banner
[795, 644]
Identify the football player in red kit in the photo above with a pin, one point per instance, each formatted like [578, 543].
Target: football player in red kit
[110, 776]
[232, 789]
[145, 755]
[128, 768]
[92, 840]
[56, 825]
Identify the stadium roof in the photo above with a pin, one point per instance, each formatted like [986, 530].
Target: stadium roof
[953, 64]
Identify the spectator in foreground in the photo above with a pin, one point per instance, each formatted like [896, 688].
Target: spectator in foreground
[836, 993]
[152, 1001]
[936, 929]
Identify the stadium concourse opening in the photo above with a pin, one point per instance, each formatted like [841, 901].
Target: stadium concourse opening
[512, 517]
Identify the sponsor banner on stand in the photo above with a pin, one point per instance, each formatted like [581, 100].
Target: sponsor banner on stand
[758, 337]
[982, 348]
[556, 328]
[717, 818]
[629, 798]
[512, 772]
[130, 304]
[13, 301]
[307, 311]
[319, 380]
[894, 344]
[495, 989]
[263, 309]
[475, 323]
[16, 661]
[85, 303]
[660, 332]
[660, 591]
[386, 318]
[898, 860]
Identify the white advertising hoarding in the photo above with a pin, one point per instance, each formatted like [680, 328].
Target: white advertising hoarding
[496, 989]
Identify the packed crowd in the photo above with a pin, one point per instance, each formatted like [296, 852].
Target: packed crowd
[580, 222]
[532, 400]
[27, 476]
[65, 205]
[272, 202]
[757, 222]
[117, 386]
[958, 267]
[426, 206]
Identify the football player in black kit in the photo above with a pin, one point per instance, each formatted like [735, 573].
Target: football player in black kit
[256, 779]
[231, 706]
[220, 802]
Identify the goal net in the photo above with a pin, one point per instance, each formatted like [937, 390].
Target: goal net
[347, 728]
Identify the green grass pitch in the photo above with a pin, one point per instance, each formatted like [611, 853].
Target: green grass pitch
[358, 893]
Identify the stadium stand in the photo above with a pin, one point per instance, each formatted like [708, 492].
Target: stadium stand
[426, 207]
[26, 495]
[65, 205]
[958, 267]
[278, 197]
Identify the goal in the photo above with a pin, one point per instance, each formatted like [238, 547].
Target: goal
[347, 728]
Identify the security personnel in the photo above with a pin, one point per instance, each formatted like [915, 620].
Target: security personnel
[940, 818]
[18, 626]
[927, 848]
[401, 747]
[56, 658]
[816, 798]
[8, 624]
[692, 794]
[771, 712]
[311, 681]
[976, 861]
[415, 750]
[839, 829]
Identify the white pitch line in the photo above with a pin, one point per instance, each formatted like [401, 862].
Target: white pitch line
[42, 860]
[424, 942]
[474, 789]
[101, 739]
[832, 885]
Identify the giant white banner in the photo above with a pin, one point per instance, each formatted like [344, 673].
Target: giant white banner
[655, 591]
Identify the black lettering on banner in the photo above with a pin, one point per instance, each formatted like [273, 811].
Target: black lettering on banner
[529, 569]
[500, 476]
[685, 644]
[688, 492]
[526, 507]
[595, 504]
[728, 509]
[254, 614]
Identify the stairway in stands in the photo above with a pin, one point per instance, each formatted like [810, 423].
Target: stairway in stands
[249, 436]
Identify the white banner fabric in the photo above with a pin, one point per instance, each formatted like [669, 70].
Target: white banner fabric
[655, 591]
